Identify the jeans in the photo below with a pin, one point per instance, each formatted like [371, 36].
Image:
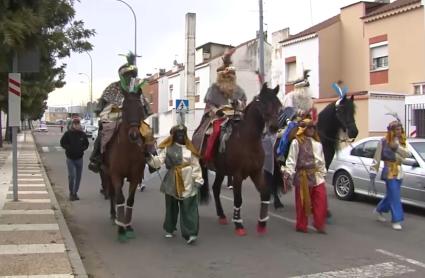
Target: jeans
[75, 167]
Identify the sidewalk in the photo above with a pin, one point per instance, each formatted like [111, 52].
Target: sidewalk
[34, 238]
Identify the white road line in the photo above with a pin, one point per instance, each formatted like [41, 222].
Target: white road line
[41, 276]
[45, 149]
[26, 211]
[39, 201]
[59, 149]
[367, 271]
[29, 192]
[292, 221]
[25, 179]
[19, 249]
[28, 175]
[31, 185]
[401, 258]
[28, 227]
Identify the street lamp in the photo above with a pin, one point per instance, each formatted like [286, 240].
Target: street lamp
[135, 25]
[91, 86]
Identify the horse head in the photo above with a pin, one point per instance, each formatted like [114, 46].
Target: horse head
[133, 114]
[270, 105]
[345, 110]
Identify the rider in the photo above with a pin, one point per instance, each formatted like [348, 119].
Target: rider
[222, 95]
[109, 109]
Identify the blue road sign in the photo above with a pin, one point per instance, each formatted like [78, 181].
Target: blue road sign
[182, 104]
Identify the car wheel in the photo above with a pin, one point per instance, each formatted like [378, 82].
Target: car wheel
[343, 186]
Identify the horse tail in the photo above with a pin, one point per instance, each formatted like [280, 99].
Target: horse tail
[204, 191]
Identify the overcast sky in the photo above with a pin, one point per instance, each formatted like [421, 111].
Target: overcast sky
[160, 34]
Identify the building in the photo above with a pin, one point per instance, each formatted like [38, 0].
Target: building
[376, 49]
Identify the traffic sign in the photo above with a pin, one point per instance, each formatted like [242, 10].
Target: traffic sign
[182, 105]
[14, 99]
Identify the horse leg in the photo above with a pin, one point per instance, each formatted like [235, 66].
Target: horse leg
[237, 204]
[129, 210]
[204, 191]
[120, 209]
[111, 194]
[258, 179]
[216, 191]
[229, 182]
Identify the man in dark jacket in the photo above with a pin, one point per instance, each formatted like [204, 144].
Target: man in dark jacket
[75, 142]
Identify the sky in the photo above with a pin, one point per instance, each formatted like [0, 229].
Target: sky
[160, 34]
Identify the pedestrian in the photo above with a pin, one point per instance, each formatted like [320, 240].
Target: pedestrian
[180, 184]
[61, 128]
[75, 142]
[305, 168]
[392, 150]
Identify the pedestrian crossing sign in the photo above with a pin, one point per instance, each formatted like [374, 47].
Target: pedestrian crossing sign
[182, 105]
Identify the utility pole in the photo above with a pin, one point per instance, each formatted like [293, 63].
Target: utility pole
[261, 46]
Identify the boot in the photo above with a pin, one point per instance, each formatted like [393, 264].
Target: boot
[96, 158]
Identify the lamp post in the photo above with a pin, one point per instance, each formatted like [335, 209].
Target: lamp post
[135, 25]
[91, 87]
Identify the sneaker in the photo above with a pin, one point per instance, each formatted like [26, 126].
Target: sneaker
[191, 239]
[397, 226]
[379, 216]
[169, 235]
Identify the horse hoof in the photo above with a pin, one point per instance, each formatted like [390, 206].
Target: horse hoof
[122, 238]
[130, 234]
[223, 221]
[240, 232]
[261, 230]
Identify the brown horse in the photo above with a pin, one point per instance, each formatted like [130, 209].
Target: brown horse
[244, 157]
[125, 158]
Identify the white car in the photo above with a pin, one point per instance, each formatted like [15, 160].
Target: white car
[42, 127]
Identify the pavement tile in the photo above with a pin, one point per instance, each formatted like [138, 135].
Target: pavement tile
[27, 219]
[29, 188]
[29, 196]
[18, 205]
[34, 264]
[30, 237]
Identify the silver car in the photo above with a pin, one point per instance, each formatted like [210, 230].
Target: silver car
[349, 171]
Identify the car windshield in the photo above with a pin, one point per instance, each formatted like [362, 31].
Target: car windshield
[419, 148]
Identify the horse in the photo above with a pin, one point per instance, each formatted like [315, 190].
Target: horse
[244, 157]
[336, 117]
[125, 158]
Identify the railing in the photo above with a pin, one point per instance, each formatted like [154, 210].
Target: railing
[415, 120]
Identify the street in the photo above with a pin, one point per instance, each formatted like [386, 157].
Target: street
[356, 245]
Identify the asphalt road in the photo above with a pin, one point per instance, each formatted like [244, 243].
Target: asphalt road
[356, 245]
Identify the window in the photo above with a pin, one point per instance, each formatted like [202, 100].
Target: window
[379, 56]
[366, 149]
[170, 95]
[419, 89]
[291, 72]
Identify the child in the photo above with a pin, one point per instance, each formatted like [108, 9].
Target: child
[180, 184]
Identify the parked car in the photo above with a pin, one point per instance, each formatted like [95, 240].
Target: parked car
[89, 129]
[349, 171]
[42, 127]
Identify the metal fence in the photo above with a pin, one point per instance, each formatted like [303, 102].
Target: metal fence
[415, 120]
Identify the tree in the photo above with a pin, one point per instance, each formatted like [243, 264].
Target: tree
[50, 26]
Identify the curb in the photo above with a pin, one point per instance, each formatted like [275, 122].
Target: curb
[72, 251]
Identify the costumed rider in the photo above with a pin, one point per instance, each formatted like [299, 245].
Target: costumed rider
[181, 183]
[224, 100]
[305, 168]
[392, 150]
[297, 105]
[109, 110]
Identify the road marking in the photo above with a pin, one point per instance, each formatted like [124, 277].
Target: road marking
[59, 149]
[29, 175]
[25, 179]
[28, 227]
[18, 249]
[376, 270]
[401, 258]
[29, 192]
[40, 201]
[31, 185]
[26, 211]
[292, 221]
[41, 276]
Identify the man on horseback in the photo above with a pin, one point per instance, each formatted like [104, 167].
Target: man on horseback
[109, 109]
[224, 100]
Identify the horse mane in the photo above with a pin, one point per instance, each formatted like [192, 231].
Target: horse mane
[257, 119]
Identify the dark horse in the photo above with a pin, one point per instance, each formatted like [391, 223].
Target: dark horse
[125, 158]
[244, 157]
[336, 117]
